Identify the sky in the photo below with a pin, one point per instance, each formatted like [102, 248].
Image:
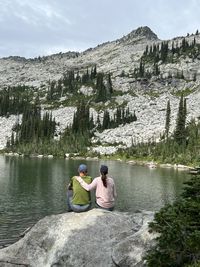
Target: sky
[32, 28]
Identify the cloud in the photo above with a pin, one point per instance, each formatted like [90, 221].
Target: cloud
[29, 24]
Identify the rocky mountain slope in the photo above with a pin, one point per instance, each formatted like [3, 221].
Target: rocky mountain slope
[147, 97]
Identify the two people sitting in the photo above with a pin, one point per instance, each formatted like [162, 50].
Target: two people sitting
[78, 195]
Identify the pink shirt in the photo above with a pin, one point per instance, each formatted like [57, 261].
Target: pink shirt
[105, 196]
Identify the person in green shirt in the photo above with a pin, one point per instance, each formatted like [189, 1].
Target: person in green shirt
[78, 199]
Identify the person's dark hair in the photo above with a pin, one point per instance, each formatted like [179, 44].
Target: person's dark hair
[104, 172]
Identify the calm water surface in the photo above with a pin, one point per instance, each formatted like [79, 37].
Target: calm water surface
[33, 188]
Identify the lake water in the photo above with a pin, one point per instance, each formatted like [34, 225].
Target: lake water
[33, 188]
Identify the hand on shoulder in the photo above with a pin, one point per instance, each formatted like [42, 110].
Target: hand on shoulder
[78, 178]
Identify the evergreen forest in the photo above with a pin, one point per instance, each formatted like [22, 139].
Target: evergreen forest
[35, 129]
[164, 53]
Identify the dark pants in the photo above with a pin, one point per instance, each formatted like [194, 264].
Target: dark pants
[75, 207]
[99, 207]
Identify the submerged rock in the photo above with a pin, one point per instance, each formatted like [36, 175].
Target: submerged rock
[93, 238]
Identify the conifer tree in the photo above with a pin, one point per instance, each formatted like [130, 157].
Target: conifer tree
[12, 142]
[98, 122]
[93, 72]
[118, 116]
[91, 123]
[141, 69]
[106, 120]
[109, 85]
[101, 94]
[167, 122]
[180, 133]
[59, 88]
[164, 51]
[146, 50]
[86, 77]
[81, 120]
[51, 90]
[156, 70]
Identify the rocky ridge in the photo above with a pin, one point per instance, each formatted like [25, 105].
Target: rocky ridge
[148, 98]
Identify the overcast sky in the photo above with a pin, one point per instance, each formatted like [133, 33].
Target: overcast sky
[32, 28]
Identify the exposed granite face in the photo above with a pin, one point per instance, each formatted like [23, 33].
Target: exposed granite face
[93, 238]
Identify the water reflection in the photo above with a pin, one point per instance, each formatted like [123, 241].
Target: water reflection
[33, 188]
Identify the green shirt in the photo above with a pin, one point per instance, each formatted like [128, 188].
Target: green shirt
[80, 195]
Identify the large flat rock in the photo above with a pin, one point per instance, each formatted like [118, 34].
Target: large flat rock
[93, 238]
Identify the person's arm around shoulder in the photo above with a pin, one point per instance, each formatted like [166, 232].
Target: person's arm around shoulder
[86, 186]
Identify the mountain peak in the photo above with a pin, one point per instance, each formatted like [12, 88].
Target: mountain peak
[145, 31]
[141, 32]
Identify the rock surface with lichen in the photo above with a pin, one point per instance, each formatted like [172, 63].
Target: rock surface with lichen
[93, 238]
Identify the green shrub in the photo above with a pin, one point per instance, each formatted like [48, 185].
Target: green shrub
[179, 226]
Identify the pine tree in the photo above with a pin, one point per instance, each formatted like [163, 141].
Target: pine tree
[86, 77]
[156, 70]
[167, 122]
[118, 116]
[146, 51]
[98, 123]
[106, 120]
[81, 121]
[12, 141]
[93, 73]
[51, 90]
[91, 123]
[164, 51]
[109, 85]
[141, 69]
[101, 94]
[180, 134]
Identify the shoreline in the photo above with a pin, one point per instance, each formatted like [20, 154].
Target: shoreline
[151, 164]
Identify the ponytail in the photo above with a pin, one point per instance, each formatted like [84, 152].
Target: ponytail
[104, 179]
[104, 172]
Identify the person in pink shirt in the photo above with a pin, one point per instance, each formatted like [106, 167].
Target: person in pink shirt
[105, 189]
